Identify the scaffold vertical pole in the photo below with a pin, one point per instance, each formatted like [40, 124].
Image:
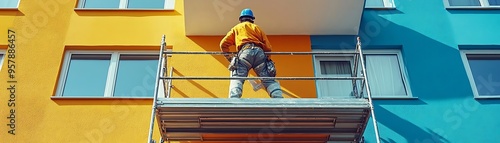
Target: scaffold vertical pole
[157, 83]
[363, 68]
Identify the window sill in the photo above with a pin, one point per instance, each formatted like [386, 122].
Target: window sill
[9, 9]
[100, 98]
[116, 9]
[126, 12]
[486, 97]
[394, 98]
[472, 7]
[381, 8]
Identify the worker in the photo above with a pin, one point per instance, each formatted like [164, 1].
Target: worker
[251, 43]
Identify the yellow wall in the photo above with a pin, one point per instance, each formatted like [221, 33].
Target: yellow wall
[45, 29]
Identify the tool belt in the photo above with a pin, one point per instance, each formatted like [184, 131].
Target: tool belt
[234, 60]
[249, 45]
[270, 66]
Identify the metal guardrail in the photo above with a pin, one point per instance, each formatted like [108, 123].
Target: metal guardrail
[263, 78]
[268, 53]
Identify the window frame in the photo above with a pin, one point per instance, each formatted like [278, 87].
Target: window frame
[317, 66]
[484, 4]
[465, 61]
[388, 4]
[402, 68]
[2, 52]
[111, 75]
[168, 5]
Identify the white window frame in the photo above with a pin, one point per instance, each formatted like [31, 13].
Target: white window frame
[403, 71]
[168, 5]
[402, 68]
[112, 72]
[2, 59]
[17, 6]
[469, 71]
[484, 4]
[387, 4]
[317, 66]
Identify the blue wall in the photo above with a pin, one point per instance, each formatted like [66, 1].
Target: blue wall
[430, 36]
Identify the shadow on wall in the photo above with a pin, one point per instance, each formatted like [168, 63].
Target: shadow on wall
[411, 132]
[13, 12]
[211, 43]
[194, 83]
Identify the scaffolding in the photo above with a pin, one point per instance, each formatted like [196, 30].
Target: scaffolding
[223, 120]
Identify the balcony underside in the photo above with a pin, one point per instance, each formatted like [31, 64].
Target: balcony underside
[276, 17]
[274, 120]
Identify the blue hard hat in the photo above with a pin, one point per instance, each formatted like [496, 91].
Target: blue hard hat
[247, 12]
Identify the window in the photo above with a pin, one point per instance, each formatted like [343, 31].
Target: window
[340, 66]
[111, 74]
[379, 4]
[385, 73]
[9, 3]
[483, 70]
[2, 53]
[127, 4]
[473, 3]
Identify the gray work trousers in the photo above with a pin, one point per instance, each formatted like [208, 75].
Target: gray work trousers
[253, 58]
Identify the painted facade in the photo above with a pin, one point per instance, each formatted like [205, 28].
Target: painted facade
[429, 36]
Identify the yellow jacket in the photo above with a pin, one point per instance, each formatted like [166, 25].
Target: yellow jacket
[243, 33]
